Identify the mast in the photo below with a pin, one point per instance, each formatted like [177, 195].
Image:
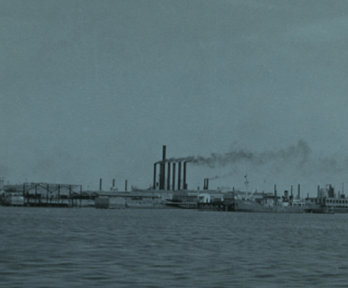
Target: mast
[246, 182]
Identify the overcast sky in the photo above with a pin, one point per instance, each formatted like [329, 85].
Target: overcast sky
[93, 89]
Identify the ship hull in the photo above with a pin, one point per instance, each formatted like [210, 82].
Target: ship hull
[253, 206]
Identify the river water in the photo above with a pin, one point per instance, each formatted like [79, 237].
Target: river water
[87, 247]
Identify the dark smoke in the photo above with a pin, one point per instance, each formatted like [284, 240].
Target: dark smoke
[299, 153]
[296, 161]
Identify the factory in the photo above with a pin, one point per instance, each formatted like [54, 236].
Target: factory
[167, 177]
[169, 189]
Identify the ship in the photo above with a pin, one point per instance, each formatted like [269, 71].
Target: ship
[327, 201]
[269, 204]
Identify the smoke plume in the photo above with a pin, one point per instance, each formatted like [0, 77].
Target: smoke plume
[299, 153]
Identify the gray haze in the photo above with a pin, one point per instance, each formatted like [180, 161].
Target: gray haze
[93, 89]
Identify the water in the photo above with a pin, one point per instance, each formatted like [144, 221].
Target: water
[88, 247]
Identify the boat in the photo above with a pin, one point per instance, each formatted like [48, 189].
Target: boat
[266, 202]
[270, 204]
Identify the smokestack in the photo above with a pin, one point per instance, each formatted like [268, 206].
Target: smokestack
[318, 191]
[286, 194]
[179, 175]
[206, 184]
[100, 184]
[125, 185]
[160, 175]
[154, 176]
[184, 180]
[173, 180]
[163, 168]
[168, 176]
[113, 182]
[298, 191]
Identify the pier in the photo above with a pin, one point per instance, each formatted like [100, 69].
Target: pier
[41, 194]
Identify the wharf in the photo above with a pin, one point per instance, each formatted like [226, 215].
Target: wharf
[133, 199]
[47, 195]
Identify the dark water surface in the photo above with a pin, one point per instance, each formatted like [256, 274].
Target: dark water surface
[87, 247]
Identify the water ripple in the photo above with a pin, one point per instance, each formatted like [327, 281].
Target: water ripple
[170, 248]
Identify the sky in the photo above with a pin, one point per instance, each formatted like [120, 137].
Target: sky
[93, 89]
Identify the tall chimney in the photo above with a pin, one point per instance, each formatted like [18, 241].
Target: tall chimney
[163, 168]
[168, 176]
[160, 175]
[100, 184]
[318, 191]
[173, 180]
[179, 175]
[184, 180]
[125, 185]
[206, 184]
[298, 191]
[113, 182]
[154, 176]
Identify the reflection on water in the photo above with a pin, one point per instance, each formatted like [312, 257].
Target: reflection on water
[42, 247]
